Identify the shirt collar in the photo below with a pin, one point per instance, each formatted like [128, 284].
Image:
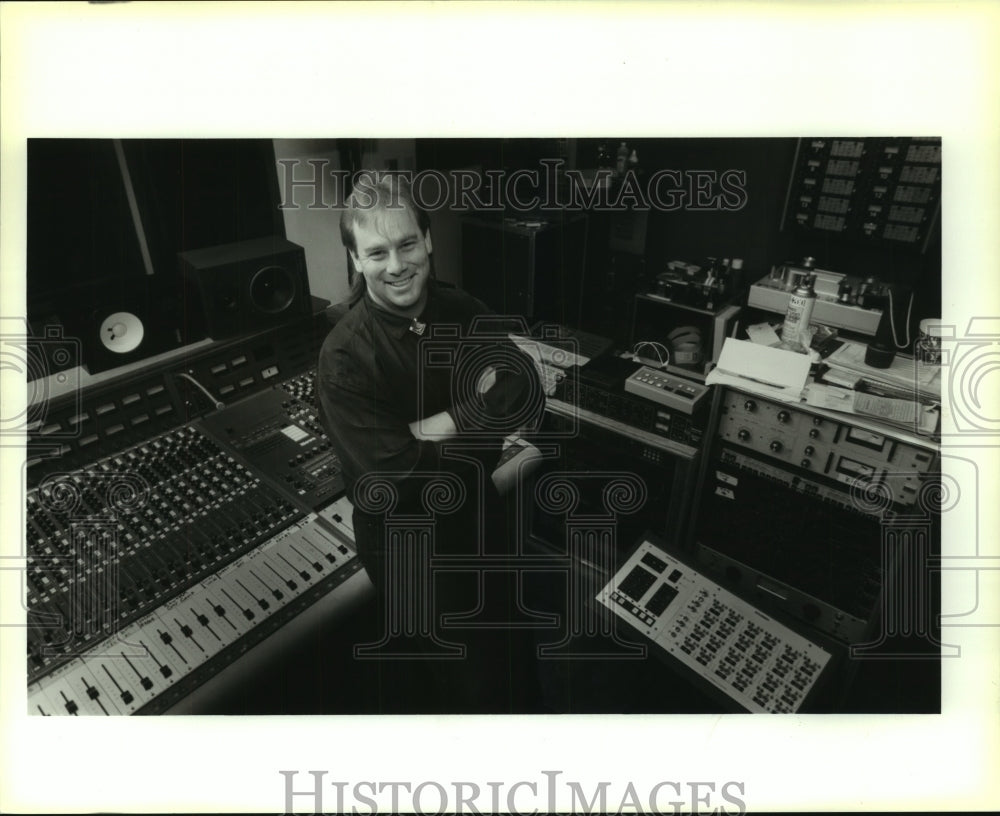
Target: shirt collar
[396, 325]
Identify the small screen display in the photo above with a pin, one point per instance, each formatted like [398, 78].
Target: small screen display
[851, 468]
[867, 438]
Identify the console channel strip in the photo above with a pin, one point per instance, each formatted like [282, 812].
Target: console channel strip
[110, 542]
[153, 662]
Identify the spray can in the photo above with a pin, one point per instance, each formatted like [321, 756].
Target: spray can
[800, 308]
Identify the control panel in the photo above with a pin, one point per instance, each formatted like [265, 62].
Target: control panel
[175, 518]
[883, 191]
[673, 392]
[838, 450]
[600, 387]
[70, 428]
[279, 432]
[759, 663]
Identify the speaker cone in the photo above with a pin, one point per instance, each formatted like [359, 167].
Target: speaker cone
[272, 289]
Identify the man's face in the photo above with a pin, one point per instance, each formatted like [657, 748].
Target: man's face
[395, 260]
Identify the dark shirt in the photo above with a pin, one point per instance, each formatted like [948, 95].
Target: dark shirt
[376, 376]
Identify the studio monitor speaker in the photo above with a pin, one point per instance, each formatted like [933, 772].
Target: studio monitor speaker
[248, 285]
[123, 321]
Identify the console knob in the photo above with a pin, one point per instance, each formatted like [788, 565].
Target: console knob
[817, 420]
[805, 463]
[810, 450]
[784, 416]
[750, 405]
[813, 433]
[775, 446]
[743, 434]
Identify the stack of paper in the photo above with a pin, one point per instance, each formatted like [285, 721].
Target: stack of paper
[904, 413]
[905, 372]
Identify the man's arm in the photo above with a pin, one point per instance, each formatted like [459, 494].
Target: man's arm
[367, 430]
[442, 425]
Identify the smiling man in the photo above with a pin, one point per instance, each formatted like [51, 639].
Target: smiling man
[394, 389]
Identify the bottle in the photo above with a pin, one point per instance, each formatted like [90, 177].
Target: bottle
[622, 159]
[735, 282]
[800, 308]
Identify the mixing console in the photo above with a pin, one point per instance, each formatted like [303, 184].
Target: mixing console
[176, 516]
[111, 542]
[157, 659]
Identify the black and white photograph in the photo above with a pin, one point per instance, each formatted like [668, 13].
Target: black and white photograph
[382, 428]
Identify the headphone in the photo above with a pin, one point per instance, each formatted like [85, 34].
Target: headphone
[686, 345]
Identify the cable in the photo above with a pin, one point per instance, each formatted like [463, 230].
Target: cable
[662, 352]
[203, 390]
[892, 321]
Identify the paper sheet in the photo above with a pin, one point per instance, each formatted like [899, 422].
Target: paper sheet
[763, 335]
[772, 372]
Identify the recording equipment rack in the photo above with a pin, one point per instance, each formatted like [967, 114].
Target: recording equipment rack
[799, 510]
[758, 663]
[835, 452]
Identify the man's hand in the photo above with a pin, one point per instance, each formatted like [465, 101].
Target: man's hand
[434, 428]
[519, 460]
